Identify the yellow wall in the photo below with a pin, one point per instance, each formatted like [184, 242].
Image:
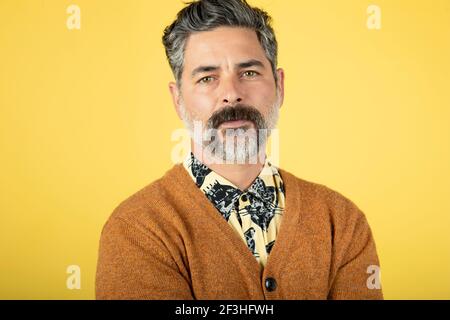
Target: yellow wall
[86, 120]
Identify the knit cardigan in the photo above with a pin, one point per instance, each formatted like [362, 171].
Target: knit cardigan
[168, 241]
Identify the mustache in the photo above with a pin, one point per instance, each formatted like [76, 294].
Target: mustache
[238, 112]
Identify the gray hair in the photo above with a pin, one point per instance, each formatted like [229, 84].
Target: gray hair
[205, 15]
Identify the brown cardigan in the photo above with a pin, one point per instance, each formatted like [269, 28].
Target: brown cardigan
[167, 241]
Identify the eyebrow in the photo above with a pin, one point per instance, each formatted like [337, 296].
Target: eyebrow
[240, 65]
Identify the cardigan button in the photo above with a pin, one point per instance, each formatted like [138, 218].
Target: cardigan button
[271, 284]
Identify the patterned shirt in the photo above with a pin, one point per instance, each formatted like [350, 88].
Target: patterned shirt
[255, 214]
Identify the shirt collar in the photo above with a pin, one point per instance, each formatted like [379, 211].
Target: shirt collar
[265, 186]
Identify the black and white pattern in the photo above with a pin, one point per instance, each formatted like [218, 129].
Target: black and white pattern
[198, 170]
[250, 239]
[223, 197]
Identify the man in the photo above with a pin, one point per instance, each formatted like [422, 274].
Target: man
[226, 223]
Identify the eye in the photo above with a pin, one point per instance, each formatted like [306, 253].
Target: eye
[205, 79]
[251, 73]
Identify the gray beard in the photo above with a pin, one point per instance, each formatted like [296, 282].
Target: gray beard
[245, 145]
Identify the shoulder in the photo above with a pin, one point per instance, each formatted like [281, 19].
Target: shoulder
[148, 205]
[333, 203]
[329, 213]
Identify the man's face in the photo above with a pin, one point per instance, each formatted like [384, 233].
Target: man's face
[226, 69]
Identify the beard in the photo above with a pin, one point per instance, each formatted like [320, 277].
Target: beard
[242, 144]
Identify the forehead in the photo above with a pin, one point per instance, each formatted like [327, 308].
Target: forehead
[221, 46]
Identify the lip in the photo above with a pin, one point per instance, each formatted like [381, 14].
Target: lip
[235, 124]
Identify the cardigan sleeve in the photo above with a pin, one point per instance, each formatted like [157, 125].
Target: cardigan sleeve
[357, 275]
[135, 264]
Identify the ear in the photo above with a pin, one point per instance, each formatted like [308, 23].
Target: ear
[176, 94]
[280, 86]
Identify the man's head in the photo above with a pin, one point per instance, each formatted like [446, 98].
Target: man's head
[223, 55]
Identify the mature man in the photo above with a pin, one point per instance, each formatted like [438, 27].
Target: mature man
[226, 223]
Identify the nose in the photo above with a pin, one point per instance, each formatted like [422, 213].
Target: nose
[231, 92]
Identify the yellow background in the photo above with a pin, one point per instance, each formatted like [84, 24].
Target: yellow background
[86, 120]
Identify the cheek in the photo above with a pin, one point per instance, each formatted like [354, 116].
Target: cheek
[199, 106]
[264, 97]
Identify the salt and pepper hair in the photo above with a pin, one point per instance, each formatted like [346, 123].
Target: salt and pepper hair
[206, 15]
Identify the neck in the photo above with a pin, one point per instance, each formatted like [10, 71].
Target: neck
[241, 175]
